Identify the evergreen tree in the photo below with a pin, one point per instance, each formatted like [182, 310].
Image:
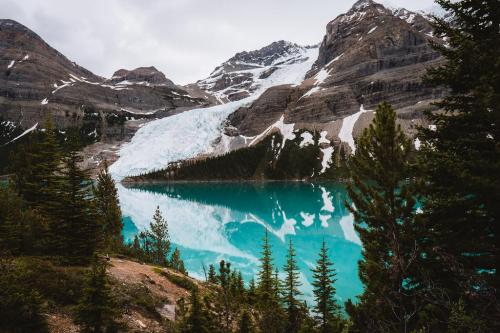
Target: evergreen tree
[75, 226]
[460, 161]
[160, 240]
[384, 215]
[176, 261]
[12, 227]
[108, 210]
[291, 292]
[252, 292]
[20, 307]
[326, 309]
[197, 321]
[212, 276]
[96, 311]
[271, 316]
[246, 325]
[36, 167]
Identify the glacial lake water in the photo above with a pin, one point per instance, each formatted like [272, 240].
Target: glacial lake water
[214, 221]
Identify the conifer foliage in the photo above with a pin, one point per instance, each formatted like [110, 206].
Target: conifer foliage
[384, 211]
[460, 162]
[326, 309]
[108, 210]
[159, 239]
[96, 311]
[291, 292]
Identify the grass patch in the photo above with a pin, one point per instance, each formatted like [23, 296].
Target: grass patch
[180, 281]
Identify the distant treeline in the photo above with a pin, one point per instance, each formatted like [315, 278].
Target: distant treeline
[268, 159]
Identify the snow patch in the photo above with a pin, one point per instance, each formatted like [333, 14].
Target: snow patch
[345, 134]
[327, 158]
[23, 134]
[322, 138]
[307, 139]
[11, 64]
[45, 101]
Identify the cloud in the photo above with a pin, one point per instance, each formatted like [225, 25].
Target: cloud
[186, 39]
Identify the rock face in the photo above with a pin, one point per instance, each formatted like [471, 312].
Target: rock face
[36, 81]
[239, 77]
[368, 55]
[148, 76]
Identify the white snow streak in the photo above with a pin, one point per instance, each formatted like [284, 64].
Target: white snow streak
[45, 101]
[11, 64]
[32, 128]
[345, 134]
[327, 158]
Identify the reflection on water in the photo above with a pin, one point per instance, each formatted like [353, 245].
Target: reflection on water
[214, 221]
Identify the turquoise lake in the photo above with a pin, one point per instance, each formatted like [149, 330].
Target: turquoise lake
[214, 221]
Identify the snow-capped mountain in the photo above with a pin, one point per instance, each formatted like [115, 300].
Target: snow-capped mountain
[200, 132]
[243, 74]
[368, 55]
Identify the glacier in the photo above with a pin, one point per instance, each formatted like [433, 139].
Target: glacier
[194, 132]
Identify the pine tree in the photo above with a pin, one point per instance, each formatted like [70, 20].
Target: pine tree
[384, 212]
[160, 240]
[326, 309]
[460, 160]
[291, 291]
[108, 210]
[96, 311]
[268, 303]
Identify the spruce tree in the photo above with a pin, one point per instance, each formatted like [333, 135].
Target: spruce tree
[245, 324]
[212, 276]
[12, 227]
[271, 316]
[291, 291]
[460, 160]
[326, 308]
[197, 321]
[384, 212]
[96, 310]
[176, 262]
[160, 239]
[108, 210]
[75, 225]
[20, 307]
[36, 167]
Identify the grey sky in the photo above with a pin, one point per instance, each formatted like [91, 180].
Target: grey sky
[186, 39]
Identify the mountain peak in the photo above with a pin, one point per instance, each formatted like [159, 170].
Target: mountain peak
[141, 75]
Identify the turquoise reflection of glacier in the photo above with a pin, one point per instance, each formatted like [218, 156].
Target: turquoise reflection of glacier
[214, 221]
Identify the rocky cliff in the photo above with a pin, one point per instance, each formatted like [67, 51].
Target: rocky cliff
[37, 82]
[368, 55]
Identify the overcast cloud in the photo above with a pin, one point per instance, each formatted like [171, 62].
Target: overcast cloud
[185, 39]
